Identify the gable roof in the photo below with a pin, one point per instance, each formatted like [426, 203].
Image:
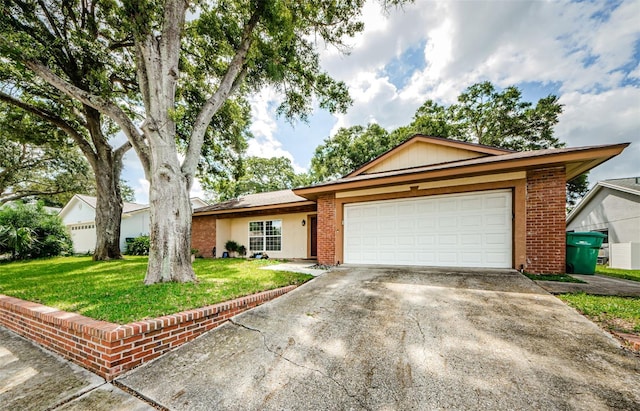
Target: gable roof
[91, 201]
[577, 160]
[264, 201]
[478, 149]
[629, 185]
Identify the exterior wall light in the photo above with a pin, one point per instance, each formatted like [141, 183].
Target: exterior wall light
[304, 222]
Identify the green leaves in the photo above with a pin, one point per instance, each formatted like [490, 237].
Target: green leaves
[27, 231]
[258, 175]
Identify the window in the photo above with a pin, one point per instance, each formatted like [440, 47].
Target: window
[265, 235]
[604, 231]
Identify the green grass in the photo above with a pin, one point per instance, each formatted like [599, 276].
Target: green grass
[113, 290]
[613, 313]
[563, 278]
[633, 275]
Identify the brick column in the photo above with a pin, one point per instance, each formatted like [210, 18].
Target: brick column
[203, 235]
[546, 211]
[327, 229]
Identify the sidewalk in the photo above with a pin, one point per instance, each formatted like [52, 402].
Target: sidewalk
[34, 379]
[304, 267]
[595, 285]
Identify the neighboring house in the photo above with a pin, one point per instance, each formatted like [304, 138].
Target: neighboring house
[79, 217]
[612, 207]
[429, 201]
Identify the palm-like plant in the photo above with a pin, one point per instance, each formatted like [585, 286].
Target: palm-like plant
[16, 240]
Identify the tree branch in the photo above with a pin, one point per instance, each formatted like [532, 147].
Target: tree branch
[56, 121]
[97, 102]
[228, 85]
[16, 196]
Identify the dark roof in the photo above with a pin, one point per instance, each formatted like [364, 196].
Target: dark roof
[255, 200]
[629, 184]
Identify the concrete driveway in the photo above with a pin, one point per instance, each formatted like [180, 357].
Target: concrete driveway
[397, 339]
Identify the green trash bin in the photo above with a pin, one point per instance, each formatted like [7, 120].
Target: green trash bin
[582, 252]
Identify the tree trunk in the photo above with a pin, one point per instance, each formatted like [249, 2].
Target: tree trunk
[170, 231]
[107, 166]
[108, 211]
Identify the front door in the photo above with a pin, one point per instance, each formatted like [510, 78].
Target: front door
[313, 227]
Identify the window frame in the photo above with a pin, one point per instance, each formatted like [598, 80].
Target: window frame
[265, 236]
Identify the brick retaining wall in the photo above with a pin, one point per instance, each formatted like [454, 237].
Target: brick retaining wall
[109, 349]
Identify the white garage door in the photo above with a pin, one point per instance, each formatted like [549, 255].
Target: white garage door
[459, 230]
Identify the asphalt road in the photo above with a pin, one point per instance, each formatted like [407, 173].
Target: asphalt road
[398, 339]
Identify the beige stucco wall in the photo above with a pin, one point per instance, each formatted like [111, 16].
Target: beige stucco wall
[420, 154]
[294, 235]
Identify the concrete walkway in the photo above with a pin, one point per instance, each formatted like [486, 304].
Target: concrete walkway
[304, 267]
[396, 339]
[596, 285]
[34, 379]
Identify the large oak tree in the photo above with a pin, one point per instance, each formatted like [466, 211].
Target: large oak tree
[70, 41]
[236, 45]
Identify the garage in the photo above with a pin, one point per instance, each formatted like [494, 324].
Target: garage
[456, 230]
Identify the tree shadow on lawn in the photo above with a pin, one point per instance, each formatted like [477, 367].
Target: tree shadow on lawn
[114, 290]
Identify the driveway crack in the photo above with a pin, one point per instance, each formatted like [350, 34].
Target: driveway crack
[336, 382]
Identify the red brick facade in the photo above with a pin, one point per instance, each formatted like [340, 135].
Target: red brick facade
[203, 235]
[327, 229]
[545, 240]
[109, 349]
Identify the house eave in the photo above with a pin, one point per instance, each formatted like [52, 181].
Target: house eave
[259, 210]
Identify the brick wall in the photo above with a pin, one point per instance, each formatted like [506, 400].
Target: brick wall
[326, 229]
[545, 243]
[109, 349]
[203, 235]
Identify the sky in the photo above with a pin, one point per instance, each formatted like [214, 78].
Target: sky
[587, 53]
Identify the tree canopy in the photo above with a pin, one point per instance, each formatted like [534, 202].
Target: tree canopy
[37, 160]
[259, 175]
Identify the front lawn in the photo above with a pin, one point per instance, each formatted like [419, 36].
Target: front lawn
[633, 275]
[113, 291]
[612, 313]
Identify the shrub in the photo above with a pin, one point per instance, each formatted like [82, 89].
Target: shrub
[242, 250]
[28, 231]
[231, 246]
[138, 246]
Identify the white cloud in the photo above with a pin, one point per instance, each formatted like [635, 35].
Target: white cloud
[606, 118]
[264, 127]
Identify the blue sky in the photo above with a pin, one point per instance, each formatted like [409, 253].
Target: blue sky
[587, 53]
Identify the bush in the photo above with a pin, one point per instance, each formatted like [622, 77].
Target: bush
[28, 231]
[139, 246]
[231, 246]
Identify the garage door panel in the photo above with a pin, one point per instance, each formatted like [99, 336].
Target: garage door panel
[447, 222]
[467, 230]
[471, 258]
[448, 205]
[448, 239]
